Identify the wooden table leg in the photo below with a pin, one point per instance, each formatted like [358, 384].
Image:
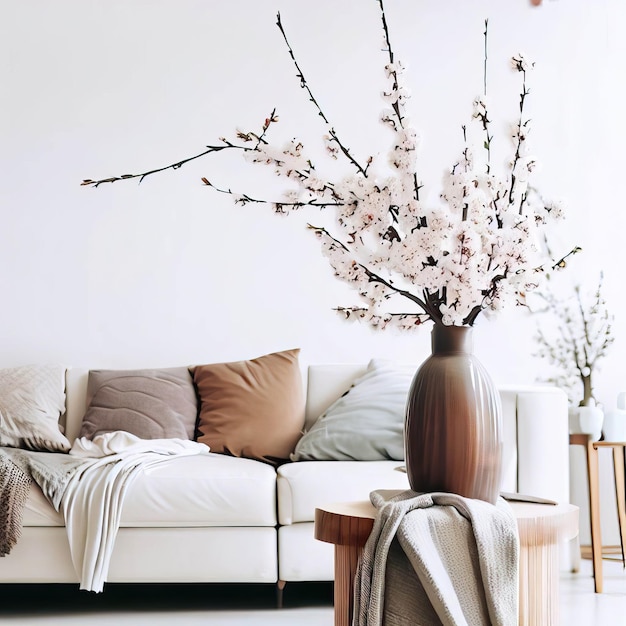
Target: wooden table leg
[620, 496]
[541, 529]
[594, 514]
[346, 560]
[539, 579]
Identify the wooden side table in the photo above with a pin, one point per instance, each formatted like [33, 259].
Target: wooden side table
[541, 527]
[591, 451]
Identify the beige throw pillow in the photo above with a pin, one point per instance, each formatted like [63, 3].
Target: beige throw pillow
[252, 409]
[32, 400]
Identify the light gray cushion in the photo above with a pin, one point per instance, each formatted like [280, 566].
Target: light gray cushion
[32, 399]
[149, 403]
[366, 423]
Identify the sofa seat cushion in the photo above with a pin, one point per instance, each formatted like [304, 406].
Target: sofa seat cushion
[203, 490]
[304, 485]
[199, 490]
[38, 511]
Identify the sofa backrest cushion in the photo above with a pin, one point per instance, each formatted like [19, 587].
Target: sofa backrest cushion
[252, 409]
[366, 423]
[149, 403]
[326, 383]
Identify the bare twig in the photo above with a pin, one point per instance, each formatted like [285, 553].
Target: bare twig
[485, 59]
[304, 84]
[173, 166]
[394, 74]
[562, 262]
[227, 145]
[484, 118]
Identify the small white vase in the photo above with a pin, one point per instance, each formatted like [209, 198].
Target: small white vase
[614, 427]
[590, 419]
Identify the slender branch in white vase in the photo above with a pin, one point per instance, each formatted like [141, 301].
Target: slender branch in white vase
[580, 340]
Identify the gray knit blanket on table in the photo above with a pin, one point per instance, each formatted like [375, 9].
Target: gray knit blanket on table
[438, 559]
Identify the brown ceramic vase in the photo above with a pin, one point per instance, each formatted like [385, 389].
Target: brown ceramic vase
[453, 428]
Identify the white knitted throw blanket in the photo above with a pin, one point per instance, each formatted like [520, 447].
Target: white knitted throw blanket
[438, 558]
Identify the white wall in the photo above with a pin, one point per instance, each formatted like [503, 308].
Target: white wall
[169, 272]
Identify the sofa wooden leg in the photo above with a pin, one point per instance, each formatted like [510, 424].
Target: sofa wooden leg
[280, 586]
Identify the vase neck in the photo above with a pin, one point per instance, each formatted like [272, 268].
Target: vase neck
[452, 339]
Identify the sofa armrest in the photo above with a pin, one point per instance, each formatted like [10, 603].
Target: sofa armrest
[542, 442]
[75, 401]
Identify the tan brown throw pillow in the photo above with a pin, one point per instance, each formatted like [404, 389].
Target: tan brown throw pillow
[149, 403]
[252, 409]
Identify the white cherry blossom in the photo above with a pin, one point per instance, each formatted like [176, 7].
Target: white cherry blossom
[411, 252]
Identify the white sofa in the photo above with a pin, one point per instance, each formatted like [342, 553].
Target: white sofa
[216, 518]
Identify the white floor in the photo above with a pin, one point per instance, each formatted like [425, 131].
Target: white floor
[245, 605]
[581, 606]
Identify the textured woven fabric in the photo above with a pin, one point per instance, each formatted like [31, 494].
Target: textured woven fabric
[14, 488]
[32, 399]
[438, 558]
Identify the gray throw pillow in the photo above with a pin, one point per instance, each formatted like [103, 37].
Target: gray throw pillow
[149, 403]
[366, 423]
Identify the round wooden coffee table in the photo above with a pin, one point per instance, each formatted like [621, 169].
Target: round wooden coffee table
[542, 527]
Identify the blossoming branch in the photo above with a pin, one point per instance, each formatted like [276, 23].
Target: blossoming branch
[580, 337]
[411, 260]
